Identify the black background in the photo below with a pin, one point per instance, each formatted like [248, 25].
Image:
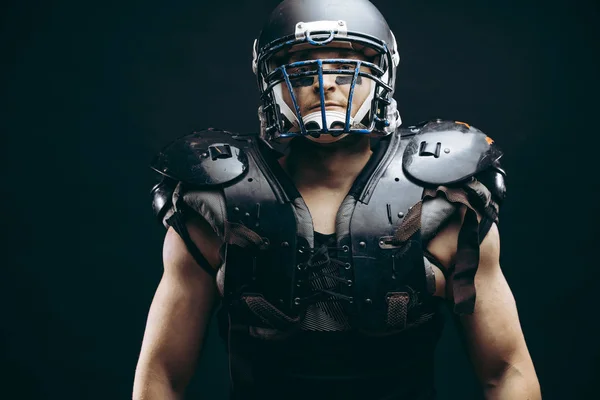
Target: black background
[90, 92]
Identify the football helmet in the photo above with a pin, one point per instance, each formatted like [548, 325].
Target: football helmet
[300, 25]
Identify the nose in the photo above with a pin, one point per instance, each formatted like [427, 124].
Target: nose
[329, 84]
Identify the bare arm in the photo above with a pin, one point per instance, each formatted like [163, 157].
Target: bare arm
[493, 334]
[178, 317]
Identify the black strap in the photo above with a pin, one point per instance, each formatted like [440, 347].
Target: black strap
[484, 227]
[467, 262]
[177, 221]
[432, 259]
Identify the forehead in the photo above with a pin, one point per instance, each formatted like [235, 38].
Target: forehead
[324, 53]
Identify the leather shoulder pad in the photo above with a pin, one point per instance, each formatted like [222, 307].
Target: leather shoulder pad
[447, 152]
[204, 158]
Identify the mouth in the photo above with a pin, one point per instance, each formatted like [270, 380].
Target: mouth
[328, 105]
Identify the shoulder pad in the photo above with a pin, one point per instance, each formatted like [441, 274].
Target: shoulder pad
[204, 158]
[162, 194]
[493, 179]
[446, 152]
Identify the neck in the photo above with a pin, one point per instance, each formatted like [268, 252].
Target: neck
[334, 166]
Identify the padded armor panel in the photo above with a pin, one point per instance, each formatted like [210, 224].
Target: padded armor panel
[204, 158]
[388, 278]
[447, 152]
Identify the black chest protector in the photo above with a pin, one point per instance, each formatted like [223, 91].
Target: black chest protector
[272, 267]
[373, 281]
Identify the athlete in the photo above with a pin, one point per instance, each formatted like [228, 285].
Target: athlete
[329, 241]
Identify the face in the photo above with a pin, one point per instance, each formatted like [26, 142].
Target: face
[336, 87]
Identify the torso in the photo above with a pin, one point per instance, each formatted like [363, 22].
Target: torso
[323, 204]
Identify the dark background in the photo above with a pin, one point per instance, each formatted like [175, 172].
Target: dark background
[90, 92]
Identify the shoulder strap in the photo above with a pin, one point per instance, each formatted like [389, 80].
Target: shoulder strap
[177, 221]
[462, 274]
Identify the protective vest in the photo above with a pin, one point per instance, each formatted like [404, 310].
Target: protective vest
[376, 279]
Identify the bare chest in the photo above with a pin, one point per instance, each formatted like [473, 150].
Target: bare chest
[323, 206]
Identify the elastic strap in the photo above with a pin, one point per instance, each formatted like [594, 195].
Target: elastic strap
[484, 227]
[177, 221]
[432, 259]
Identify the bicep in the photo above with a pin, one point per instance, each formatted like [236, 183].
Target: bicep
[493, 332]
[181, 308]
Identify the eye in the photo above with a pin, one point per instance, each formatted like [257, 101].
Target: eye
[299, 70]
[347, 66]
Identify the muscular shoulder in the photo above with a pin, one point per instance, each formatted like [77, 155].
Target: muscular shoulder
[443, 245]
[176, 256]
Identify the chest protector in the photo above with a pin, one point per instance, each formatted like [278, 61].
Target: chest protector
[273, 276]
[271, 264]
